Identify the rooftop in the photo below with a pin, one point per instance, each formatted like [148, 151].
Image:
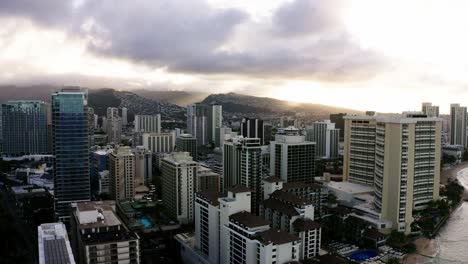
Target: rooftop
[54, 246]
[249, 220]
[239, 189]
[290, 198]
[96, 214]
[280, 206]
[276, 236]
[299, 185]
[273, 179]
[211, 197]
[302, 224]
[349, 187]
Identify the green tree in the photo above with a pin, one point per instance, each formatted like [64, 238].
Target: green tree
[393, 261]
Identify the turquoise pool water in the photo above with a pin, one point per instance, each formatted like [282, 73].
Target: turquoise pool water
[146, 222]
[363, 255]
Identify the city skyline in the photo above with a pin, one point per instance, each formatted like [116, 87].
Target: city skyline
[300, 50]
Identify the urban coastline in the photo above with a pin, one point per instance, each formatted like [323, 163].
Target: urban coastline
[428, 249]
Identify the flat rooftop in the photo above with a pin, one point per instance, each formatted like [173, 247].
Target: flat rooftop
[349, 187]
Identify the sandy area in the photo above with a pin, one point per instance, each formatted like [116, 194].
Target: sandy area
[452, 172]
[426, 249]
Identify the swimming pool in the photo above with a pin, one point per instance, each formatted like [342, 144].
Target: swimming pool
[146, 222]
[363, 255]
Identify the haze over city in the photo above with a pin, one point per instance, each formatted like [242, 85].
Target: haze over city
[333, 52]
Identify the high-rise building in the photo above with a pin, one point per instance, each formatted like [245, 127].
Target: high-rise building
[207, 180]
[91, 130]
[24, 128]
[54, 246]
[430, 110]
[187, 143]
[159, 142]
[100, 236]
[222, 134]
[148, 123]
[405, 166]
[253, 128]
[458, 125]
[122, 174]
[215, 120]
[292, 158]
[114, 125]
[326, 137]
[178, 174]
[197, 122]
[124, 116]
[338, 120]
[71, 149]
[242, 160]
[98, 163]
[143, 166]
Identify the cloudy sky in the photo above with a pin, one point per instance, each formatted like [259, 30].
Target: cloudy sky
[363, 54]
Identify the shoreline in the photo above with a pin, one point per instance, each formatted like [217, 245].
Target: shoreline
[427, 249]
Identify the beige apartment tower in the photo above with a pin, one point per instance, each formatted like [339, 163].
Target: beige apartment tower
[122, 174]
[404, 168]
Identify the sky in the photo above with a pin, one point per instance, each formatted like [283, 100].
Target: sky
[387, 56]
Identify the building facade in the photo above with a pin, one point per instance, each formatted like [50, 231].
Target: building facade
[114, 125]
[71, 149]
[253, 128]
[458, 125]
[24, 128]
[99, 235]
[187, 143]
[430, 110]
[292, 158]
[406, 170]
[159, 142]
[122, 174]
[242, 162]
[178, 174]
[215, 121]
[197, 123]
[326, 137]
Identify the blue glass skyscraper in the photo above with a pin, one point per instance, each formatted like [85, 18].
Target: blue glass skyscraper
[71, 149]
[24, 128]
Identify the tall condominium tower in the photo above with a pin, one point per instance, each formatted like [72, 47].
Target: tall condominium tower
[114, 125]
[405, 167]
[253, 128]
[148, 123]
[242, 160]
[326, 137]
[215, 121]
[24, 128]
[159, 142]
[122, 174]
[430, 110]
[187, 143]
[71, 149]
[458, 125]
[178, 173]
[197, 122]
[124, 116]
[143, 166]
[338, 120]
[291, 157]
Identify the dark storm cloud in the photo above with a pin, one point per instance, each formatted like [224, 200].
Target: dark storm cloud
[304, 17]
[185, 36]
[43, 12]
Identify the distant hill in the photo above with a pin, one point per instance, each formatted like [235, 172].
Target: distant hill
[181, 98]
[33, 92]
[245, 104]
[101, 99]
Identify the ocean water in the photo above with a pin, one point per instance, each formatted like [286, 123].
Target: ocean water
[453, 237]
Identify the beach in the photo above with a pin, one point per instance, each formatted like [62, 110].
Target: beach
[427, 248]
